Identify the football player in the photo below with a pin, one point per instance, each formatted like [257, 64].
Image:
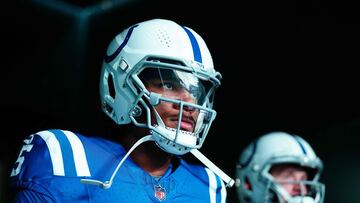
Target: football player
[158, 79]
[279, 167]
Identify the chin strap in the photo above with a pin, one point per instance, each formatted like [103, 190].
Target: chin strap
[107, 184]
[229, 181]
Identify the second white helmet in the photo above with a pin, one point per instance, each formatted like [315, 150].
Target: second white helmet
[257, 185]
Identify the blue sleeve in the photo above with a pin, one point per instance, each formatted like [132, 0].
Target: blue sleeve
[31, 169]
[31, 196]
[33, 162]
[49, 165]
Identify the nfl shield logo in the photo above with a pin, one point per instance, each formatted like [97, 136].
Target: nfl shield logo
[160, 193]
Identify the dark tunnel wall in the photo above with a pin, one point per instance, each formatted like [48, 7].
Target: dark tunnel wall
[285, 66]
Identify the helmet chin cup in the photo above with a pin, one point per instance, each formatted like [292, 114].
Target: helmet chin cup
[171, 140]
[165, 138]
[301, 199]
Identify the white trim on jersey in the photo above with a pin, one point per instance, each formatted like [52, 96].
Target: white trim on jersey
[55, 152]
[212, 185]
[54, 147]
[223, 192]
[81, 165]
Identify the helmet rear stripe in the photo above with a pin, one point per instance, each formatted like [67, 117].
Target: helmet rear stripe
[122, 45]
[301, 146]
[195, 45]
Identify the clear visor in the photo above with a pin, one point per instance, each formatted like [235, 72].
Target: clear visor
[174, 84]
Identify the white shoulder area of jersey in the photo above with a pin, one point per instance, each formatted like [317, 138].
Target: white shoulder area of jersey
[62, 143]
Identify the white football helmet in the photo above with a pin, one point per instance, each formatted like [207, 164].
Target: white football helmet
[254, 182]
[159, 48]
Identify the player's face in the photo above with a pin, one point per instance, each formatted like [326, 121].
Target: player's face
[169, 112]
[180, 86]
[288, 175]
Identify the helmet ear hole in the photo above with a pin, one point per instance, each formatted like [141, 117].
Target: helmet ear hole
[111, 86]
[248, 185]
[107, 108]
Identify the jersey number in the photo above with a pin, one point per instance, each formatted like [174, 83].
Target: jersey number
[20, 160]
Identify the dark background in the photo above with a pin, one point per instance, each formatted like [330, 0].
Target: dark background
[287, 66]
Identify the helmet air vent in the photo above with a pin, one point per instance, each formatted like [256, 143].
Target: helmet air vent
[163, 38]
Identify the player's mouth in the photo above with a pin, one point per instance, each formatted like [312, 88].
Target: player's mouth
[187, 124]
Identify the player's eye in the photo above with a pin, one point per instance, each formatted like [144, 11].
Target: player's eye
[168, 86]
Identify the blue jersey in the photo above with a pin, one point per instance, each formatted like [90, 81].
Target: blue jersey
[52, 163]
